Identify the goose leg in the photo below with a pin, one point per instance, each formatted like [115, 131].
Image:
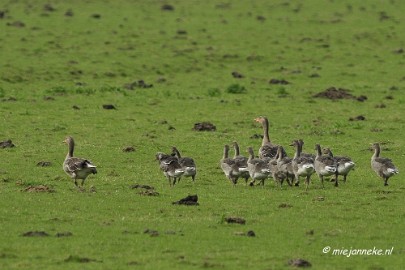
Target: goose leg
[297, 181]
[321, 177]
[307, 182]
[386, 181]
[344, 178]
[336, 180]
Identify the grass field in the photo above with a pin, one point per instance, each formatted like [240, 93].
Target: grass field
[61, 61]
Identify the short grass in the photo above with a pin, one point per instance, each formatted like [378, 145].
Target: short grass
[55, 61]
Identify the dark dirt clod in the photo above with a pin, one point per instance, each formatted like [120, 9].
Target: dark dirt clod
[237, 220]
[63, 234]
[299, 263]
[35, 234]
[167, 7]
[142, 186]
[151, 232]
[204, 126]
[7, 144]
[96, 16]
[399, 51]
[78, 259]
[109, 107]
[18, 24]
[314, 75]
[128, 149]
[237, 75]
[251, 234]
[49, 8]
[361, 98]
[357, 118]
[137, 84]
[256, 136]
[44, 164]
[69, 13]
[284, 205]
[277, 81]
[380, 106]
[310, 232]
[149, 192]
[75, 107]
[334, 93]
[261, 18]
[376, 130]
[40, 188]
[189, 200]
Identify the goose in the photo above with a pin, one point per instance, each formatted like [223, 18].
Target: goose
[258, 168]
[344, 164]
[187, 164]
[284, 165]
[241, 162]
[170, 166]
[310, 155]
[77, 168]
[302, 165]
[383, 167]
[267, 149]
[324, 165]
[278, 175]
[229, 167]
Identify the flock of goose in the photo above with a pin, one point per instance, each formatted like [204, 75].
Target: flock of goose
[272, 162]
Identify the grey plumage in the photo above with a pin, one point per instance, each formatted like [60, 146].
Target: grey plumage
[170, 167]
[241, 162]
[258, 168]
[267, 149]
[324, 165]
[77, 168]
[383, 167]
[344, 164]
[229, 166]
[186, 163]
[303, 166]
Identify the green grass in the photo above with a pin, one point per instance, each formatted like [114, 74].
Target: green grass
[56, 62]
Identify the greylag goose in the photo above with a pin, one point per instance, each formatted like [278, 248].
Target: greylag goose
[284, 165]
[383, 167]
[77, 168]
[309, 155]
[267, 149]
[241, 162]
[258, 168]
[229, 167]
[302, 165]
[278, 175]
[344, 164]
[170, 166]
[324, 165]
[186, 163]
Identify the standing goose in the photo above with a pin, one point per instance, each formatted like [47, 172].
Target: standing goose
[241, 162]
[302, 165]
[258, 168]
[324, 165]
[383, 167]
[170, 166]
[267, 149]
[229, 167]
[344, 164]
[284, 165]
[77, 168]
[186, 163]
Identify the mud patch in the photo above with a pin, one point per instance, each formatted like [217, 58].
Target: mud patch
[334, 93]
[236, 220]
[44, 164]
[7, 144]
[149, 192]
[128, 149]
[64, 234]
[35, 234]
[299, 263]
[109, 107]
[357, 118]
[248, 233]
[137, 84]
[77, 259]
[167, 7]
[237, 75]
[204, 126]
[284, 205]
[40, 188]
[142, 186]
[189, 200]
[152, 233]
[277, 81]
